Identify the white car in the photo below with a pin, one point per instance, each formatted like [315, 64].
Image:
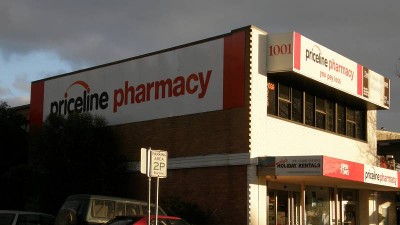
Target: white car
[13, 217]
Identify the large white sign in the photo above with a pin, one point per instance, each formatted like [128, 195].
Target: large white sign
[178, 82]
[294, 52]
[380, 176]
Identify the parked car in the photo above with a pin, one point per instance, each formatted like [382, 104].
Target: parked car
[142, 220]
[98, 209]
[13, 217]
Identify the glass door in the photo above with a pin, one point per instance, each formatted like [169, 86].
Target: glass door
[283, 207]
[349, 213]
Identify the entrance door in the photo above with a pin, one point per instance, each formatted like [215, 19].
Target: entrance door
[284, 207]
[349, 213]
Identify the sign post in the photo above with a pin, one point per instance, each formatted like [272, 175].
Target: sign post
[144, 168]
[158, 169]
[154, 164]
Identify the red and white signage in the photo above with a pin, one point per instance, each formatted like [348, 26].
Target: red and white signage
[198, 78]
[343, 169]
[330, 167]
[294, 52]
[380, 176]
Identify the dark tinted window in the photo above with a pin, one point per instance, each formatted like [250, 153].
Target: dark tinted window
[133, 209]
[6, 218]
[284, 102]
[330, 120]
[360, 129]
[310, 110]
[351, 122]
[297, 105]
[272, 98]
[320, 114]
[341, 119]
[103, 208]
[313, 110]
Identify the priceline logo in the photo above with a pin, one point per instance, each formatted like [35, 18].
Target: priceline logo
[85, 102]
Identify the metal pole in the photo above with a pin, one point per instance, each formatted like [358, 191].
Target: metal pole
[158, 185]
[149, 188]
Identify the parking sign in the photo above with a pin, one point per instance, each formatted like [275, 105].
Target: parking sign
[158, 163]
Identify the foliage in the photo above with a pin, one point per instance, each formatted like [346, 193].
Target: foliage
[13, 138]
[13, 159]
[75, 154]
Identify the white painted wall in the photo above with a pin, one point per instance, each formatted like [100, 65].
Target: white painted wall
[257, 189]
[286, 138]
[258, 91]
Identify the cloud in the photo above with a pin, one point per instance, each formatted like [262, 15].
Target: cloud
[4, 91]
[93, 32]
[22, 83]
[14, 101]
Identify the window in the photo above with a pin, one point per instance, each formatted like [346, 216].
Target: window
[7, 218]
[341, 119]
[297, 105]
[103, 208]
[272, 97]
[330, 113]
[310, 109]
[284, 101]
[351, 122]
[360, 125]
[319, 111]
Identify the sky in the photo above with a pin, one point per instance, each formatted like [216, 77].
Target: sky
[44, 38]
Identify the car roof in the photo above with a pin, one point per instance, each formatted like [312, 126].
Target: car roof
[25, 212]
[102, 197]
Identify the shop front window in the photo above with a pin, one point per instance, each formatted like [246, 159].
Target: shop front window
[283, 207]
[317, 206]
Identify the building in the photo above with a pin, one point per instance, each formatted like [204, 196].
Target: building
[389, 150]
[260, 128]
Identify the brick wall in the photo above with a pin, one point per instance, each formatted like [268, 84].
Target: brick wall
[198, 134]
[222, 191]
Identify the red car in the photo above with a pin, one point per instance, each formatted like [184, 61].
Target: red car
[142, 220]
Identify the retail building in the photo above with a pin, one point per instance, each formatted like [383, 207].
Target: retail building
[260, 128]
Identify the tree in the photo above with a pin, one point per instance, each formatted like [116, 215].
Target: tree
[75, 154]
[13, 138]
[14, 172]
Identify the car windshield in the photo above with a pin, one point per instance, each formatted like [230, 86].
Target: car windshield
[6, 218]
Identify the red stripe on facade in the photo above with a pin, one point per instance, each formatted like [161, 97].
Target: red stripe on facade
[234, 70]
[297, 50]
[36, 106]
[359, 79]
[343, 169]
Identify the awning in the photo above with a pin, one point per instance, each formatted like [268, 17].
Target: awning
[328, 171]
